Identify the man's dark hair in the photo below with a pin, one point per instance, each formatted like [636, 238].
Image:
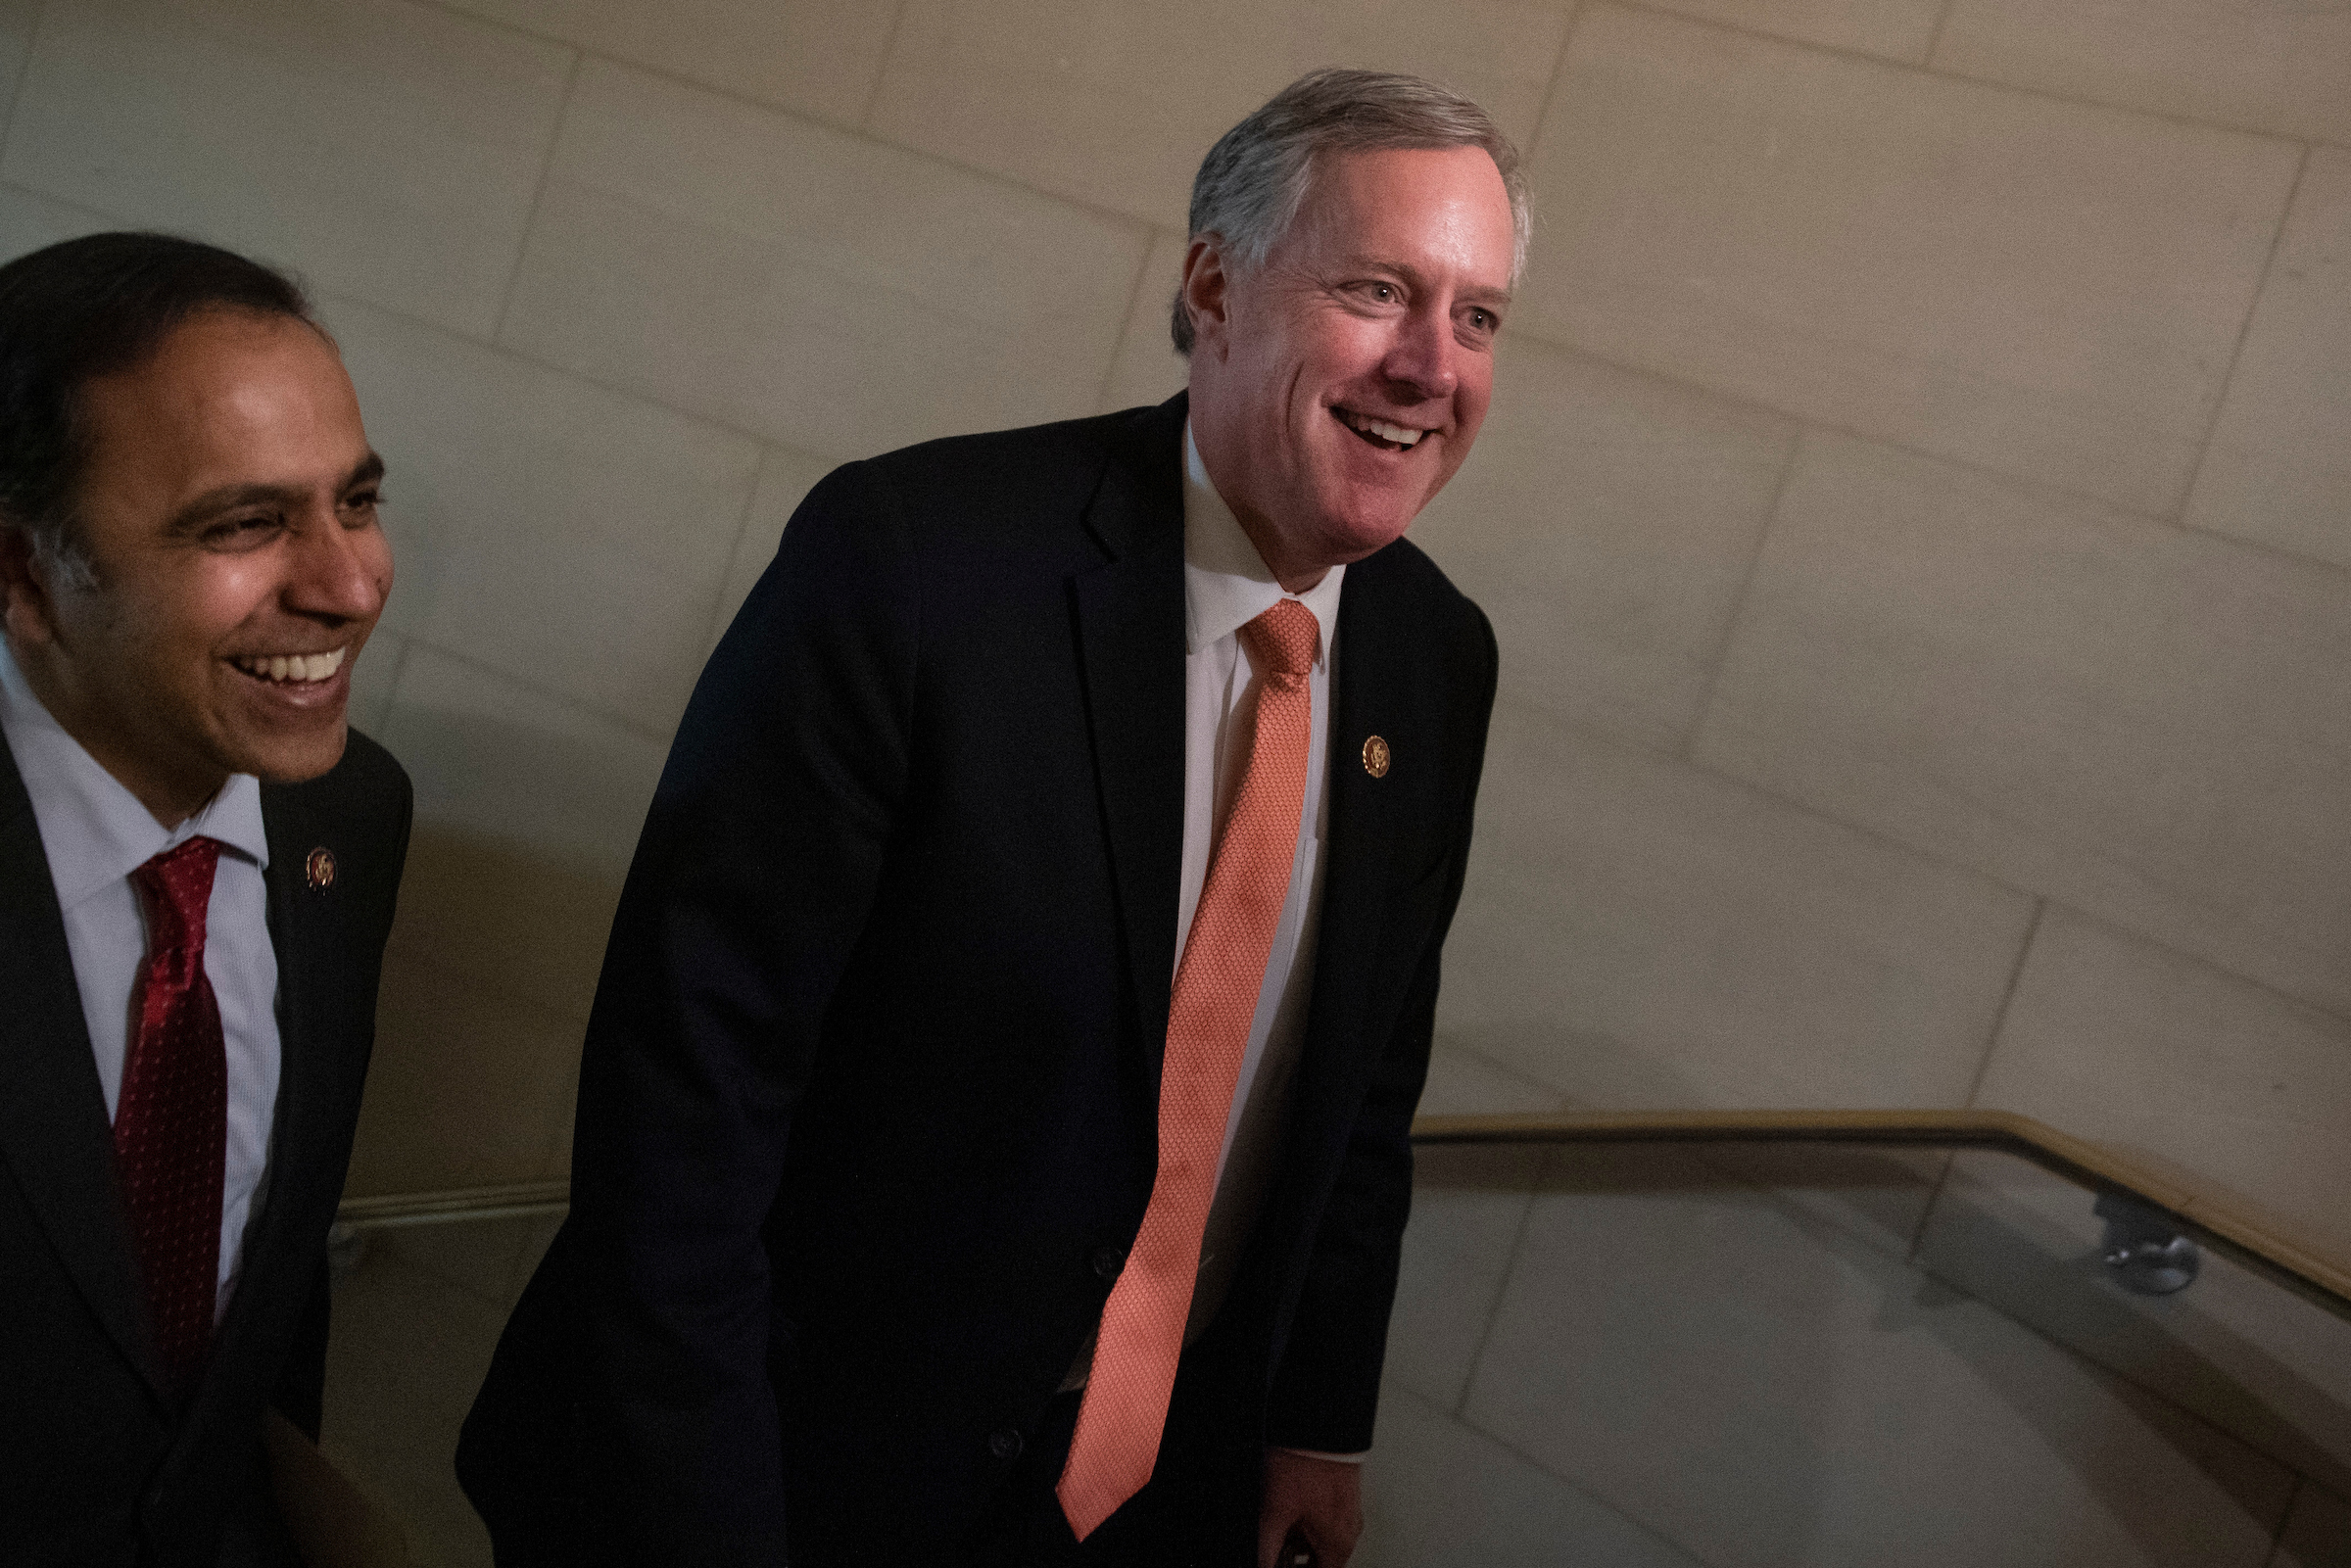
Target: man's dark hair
[89, 308]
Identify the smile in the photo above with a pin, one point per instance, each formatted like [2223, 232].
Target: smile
[287, 669]
[1378, 432]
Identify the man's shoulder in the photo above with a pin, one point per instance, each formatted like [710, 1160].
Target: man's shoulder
[1032, 474]
[367, 788]
[1402, 573]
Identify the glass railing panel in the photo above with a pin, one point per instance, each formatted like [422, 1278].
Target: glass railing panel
[2266, 1363]
[1650, 1353]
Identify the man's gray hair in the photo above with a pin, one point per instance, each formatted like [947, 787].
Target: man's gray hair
[1255, 180]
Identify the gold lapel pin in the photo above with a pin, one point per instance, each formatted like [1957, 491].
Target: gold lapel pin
[321, 866]
[1375, 757]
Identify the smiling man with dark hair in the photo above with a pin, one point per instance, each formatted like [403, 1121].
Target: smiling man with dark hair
[198, 862]
[992, 1140]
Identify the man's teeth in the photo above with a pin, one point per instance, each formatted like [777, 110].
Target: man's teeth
[294, 666]
[1399, 434]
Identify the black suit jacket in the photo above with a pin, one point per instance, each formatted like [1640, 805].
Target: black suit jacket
[98, 1462]
[868, 1103]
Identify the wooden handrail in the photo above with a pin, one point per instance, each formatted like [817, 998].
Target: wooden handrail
[2213, 1217]
[516, 1199]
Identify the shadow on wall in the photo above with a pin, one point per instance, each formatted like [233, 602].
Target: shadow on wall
[521, 842]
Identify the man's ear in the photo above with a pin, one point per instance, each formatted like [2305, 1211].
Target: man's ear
[25, 607]
[1206, 293]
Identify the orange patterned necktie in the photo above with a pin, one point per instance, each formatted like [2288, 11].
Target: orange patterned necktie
[1125, 1406]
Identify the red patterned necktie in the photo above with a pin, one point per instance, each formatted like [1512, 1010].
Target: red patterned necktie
[172, 1116]
[1116, 1445]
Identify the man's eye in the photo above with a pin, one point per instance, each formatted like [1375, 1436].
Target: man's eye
[240, 533]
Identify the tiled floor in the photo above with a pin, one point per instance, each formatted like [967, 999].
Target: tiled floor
[1638, 1358]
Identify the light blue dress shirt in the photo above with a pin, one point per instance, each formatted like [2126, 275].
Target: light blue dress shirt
[95, 834]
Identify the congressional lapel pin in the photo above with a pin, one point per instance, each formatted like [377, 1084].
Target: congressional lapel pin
[1375, 757]
[321, 867]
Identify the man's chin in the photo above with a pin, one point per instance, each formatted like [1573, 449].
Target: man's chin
[1366, 530]
[293, 762]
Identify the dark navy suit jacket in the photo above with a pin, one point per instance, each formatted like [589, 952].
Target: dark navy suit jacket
[868, 1103]
[100, 1463]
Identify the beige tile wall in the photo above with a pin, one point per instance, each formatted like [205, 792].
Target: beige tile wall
[2267, 65]
[2032, 285]
[1914, 516]
[2279, 470]
[2134, 718]
[390, 149]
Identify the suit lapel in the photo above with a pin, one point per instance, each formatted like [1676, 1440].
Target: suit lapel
[53, 1126]
[295, 935]
[1129, 614]
[1371, 686]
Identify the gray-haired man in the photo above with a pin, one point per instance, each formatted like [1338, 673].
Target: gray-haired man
[992, 1127]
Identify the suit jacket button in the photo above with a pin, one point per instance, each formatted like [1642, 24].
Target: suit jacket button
[1005, 1444]
[1108, 1260]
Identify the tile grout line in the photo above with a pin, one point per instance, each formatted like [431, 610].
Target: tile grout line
[801, 117]
[1999, 1018]
[1945, 73]
[712, 630]
[2042, 489]
[890, 47]
[1992, 1043]
[1721, 656]
[2245, 334]
[16, 95]
[1576, 12]
[1885, 839]
[2286, 1517]
[1942, 20]
[1926, 1210]
[1654, 1532]
[400, 668]
[1501, 1288]
[530, 214]
[1117, 347]
[634, 727]
[1487, 1060]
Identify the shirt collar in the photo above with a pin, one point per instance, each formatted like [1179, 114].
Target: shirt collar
[1226, 583]
[93, 829]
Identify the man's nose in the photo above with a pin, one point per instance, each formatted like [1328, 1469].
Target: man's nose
[1422, 355]
[338, 571]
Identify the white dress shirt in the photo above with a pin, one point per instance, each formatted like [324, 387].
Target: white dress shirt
[95, 833]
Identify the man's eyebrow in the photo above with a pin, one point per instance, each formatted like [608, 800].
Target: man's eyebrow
[228, 498]
[371, 469]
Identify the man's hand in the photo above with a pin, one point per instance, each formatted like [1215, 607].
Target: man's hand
[1322, 1501]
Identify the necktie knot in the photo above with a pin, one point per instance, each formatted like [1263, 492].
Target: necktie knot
[1283, 640]
[179, 884]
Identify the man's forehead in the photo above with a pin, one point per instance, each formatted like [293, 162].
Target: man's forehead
[218, 398]
[1370, 202]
